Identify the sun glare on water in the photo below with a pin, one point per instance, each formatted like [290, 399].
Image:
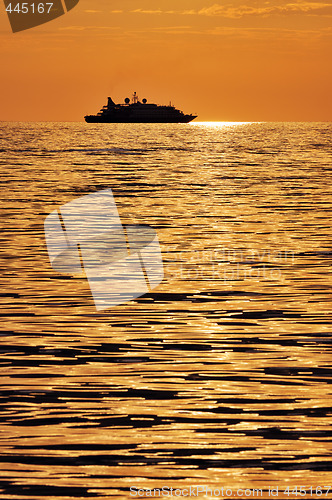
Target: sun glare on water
[220, 124]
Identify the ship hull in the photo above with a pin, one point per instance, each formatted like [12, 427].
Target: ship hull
[111, 119]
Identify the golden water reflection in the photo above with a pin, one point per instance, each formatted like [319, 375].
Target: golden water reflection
[220, 376]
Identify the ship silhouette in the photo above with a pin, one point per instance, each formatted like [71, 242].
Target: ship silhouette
[135, 111]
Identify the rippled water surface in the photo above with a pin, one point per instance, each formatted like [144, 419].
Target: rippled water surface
[218, 377]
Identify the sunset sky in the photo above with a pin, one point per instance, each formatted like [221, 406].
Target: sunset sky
[235, 60]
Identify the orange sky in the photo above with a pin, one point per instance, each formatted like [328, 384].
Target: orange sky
[236, 60]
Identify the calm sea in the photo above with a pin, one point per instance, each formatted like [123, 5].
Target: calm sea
[220, 377]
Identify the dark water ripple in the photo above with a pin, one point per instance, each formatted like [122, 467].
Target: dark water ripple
[221, 375]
